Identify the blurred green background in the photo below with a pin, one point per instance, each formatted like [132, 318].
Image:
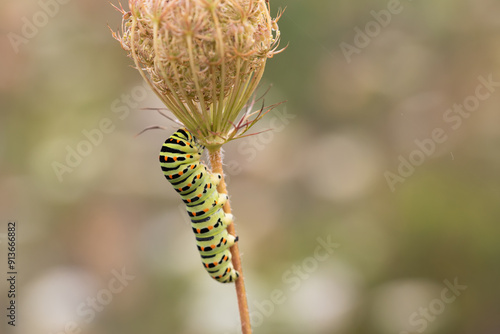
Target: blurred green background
[321, 173]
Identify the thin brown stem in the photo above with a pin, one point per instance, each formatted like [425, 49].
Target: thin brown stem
[216, 163]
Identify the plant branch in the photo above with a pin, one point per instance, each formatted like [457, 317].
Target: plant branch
[216, 163]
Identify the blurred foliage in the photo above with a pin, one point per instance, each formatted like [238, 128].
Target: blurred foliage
[316, 175]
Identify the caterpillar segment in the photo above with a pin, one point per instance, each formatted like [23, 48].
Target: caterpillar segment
[213, 224]
[180, 162]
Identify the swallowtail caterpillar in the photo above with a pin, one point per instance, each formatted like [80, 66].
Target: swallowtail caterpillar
[180, 162]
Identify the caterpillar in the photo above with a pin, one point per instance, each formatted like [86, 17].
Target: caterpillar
[180, 162]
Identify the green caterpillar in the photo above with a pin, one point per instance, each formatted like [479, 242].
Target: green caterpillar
[180, 162]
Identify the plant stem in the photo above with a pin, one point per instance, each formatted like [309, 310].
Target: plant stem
[216, 163]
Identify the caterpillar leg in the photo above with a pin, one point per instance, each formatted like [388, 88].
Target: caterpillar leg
[222, 199]
[215, 178]
[231, 240]
[227, 219]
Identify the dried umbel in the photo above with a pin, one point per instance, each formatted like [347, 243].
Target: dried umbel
[203, 58]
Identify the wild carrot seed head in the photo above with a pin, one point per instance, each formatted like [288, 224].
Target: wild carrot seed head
[203, 58]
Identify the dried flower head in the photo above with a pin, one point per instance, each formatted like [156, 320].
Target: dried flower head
[203, 58]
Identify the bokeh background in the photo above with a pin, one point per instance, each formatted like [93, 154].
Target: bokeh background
[320, 173]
